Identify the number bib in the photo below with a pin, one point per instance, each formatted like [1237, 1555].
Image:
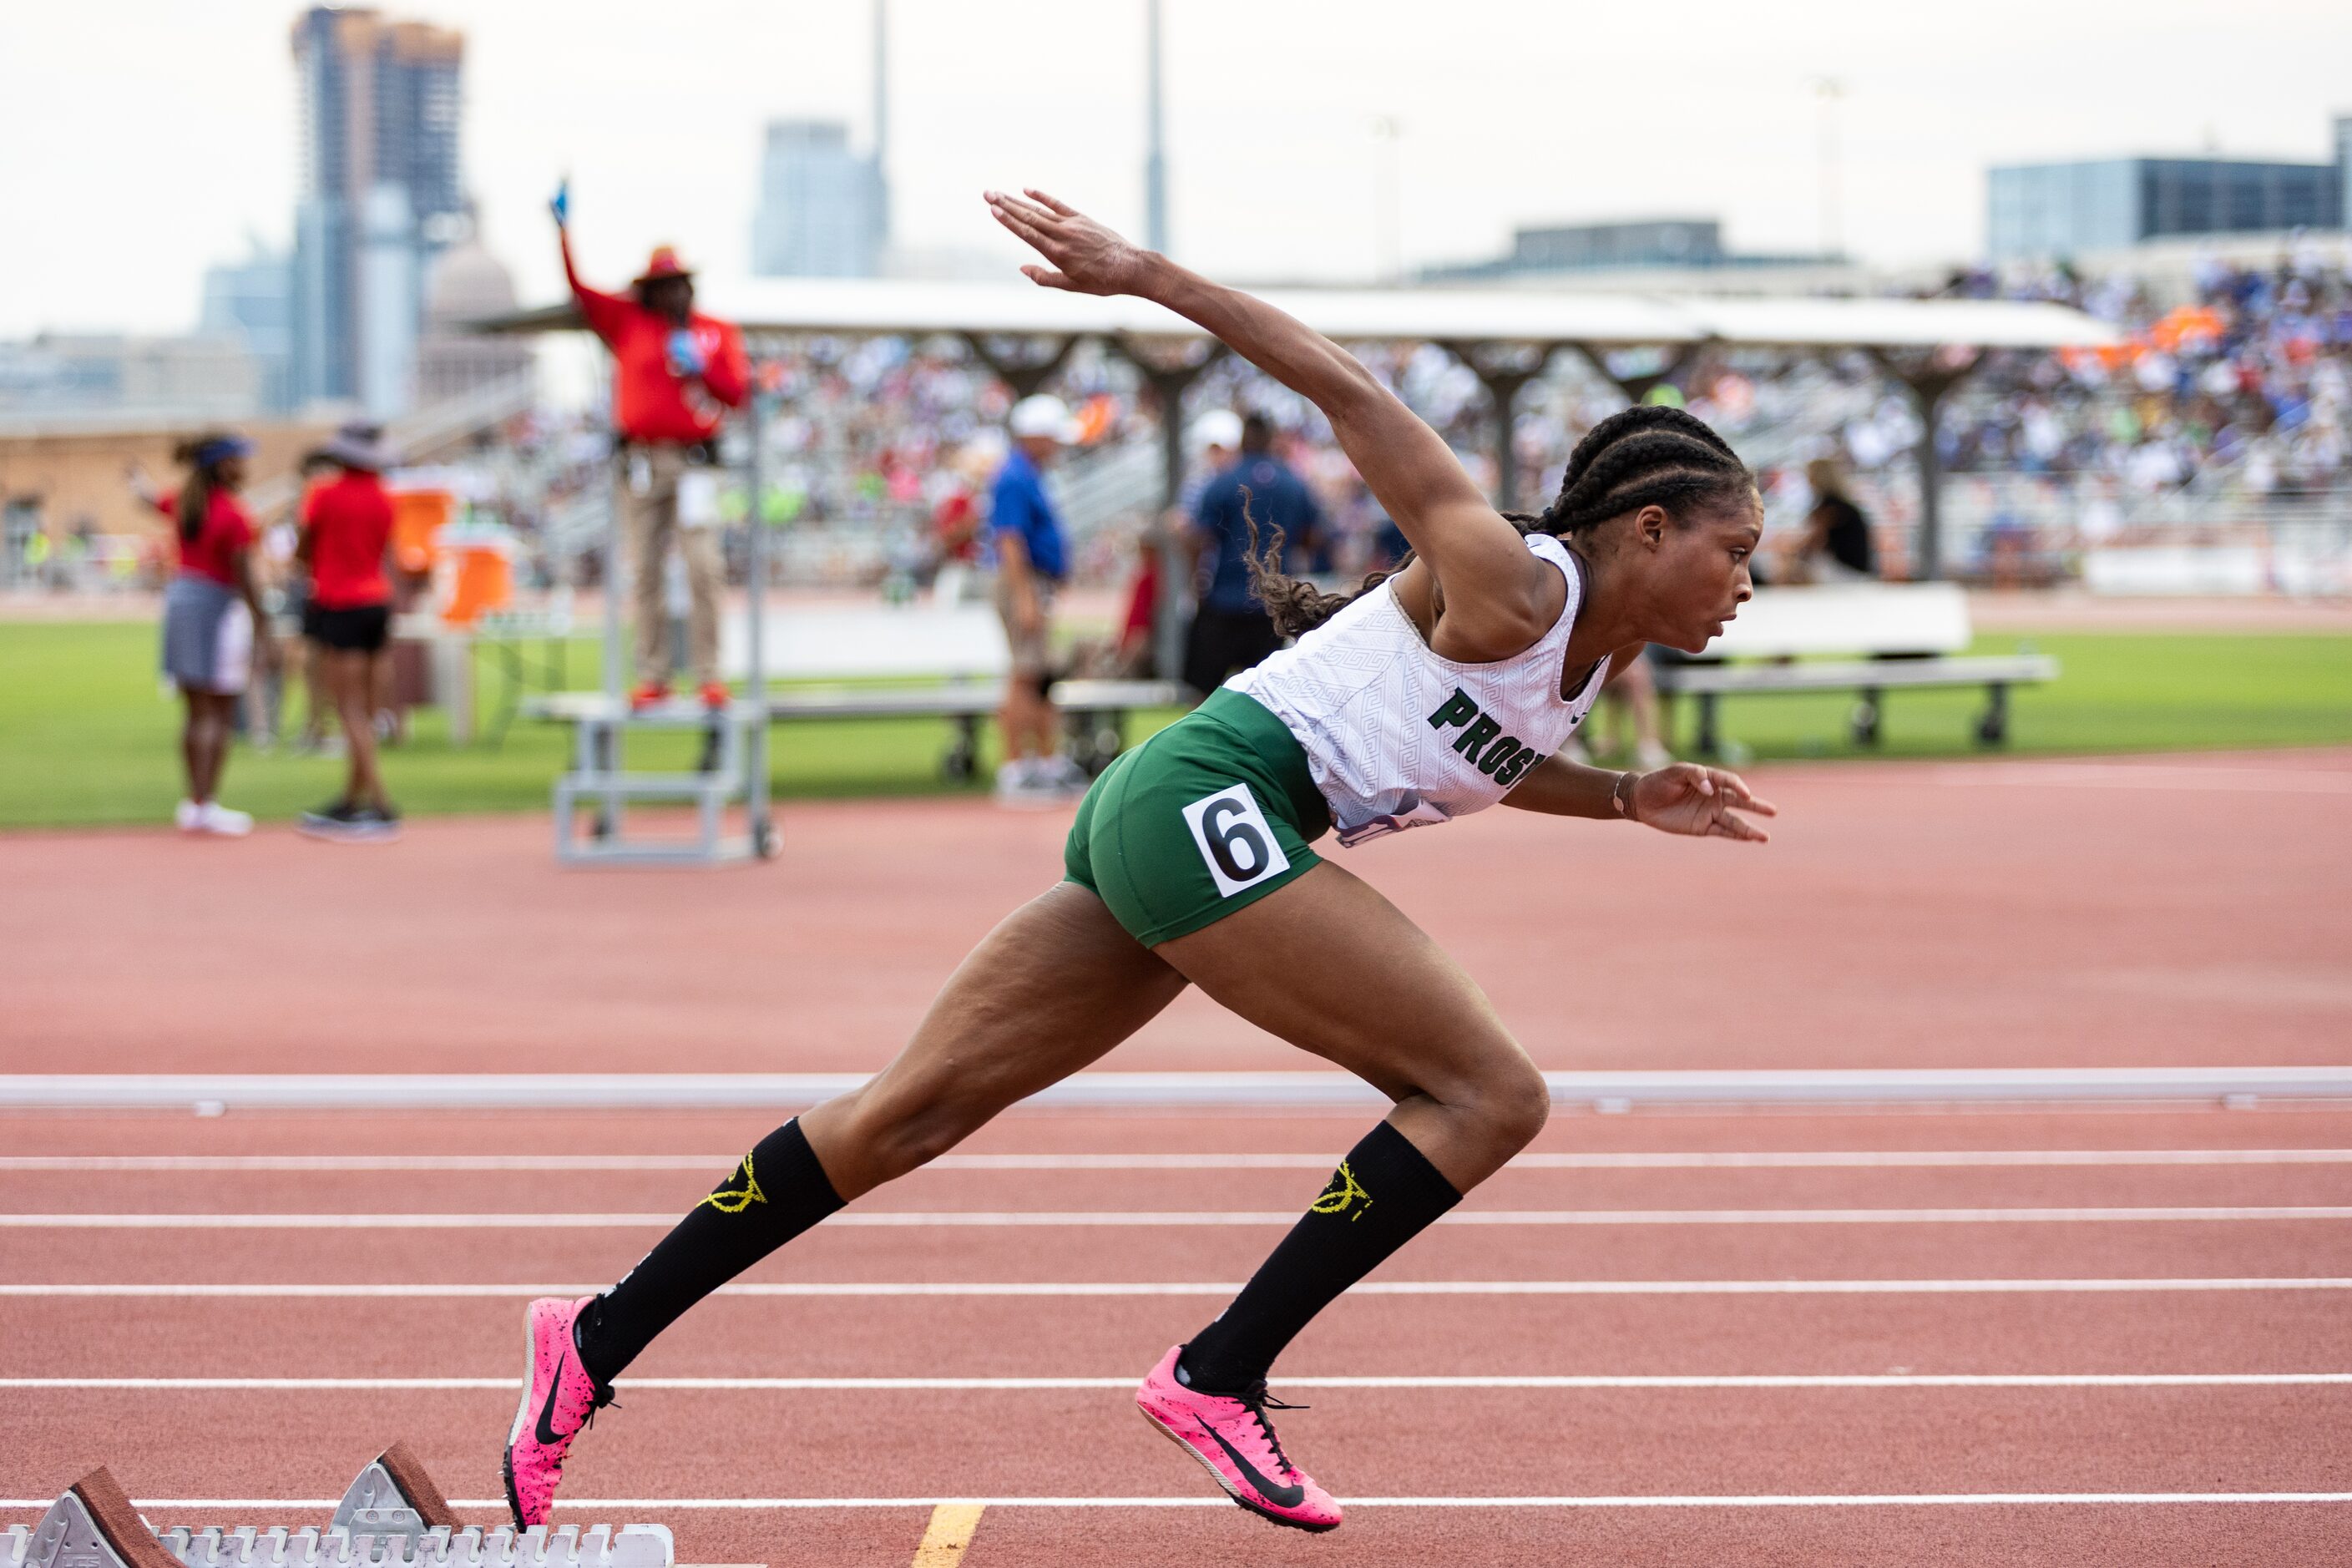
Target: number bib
[1209, 815]
[1235, 839]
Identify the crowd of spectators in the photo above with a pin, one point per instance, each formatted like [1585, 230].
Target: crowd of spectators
[2242, 387]
[2247, 384]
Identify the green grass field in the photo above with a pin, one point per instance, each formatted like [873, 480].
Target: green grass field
[87, 736]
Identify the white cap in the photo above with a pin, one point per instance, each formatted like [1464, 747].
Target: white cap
[1217, 427]
[1042, 414]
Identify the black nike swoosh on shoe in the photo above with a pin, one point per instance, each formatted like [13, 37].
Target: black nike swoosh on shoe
[546, 1433]
[1286, 1497]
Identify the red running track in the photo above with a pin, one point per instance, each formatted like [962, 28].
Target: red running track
[2152, 912]
[2146, 912]
[2267, 1427]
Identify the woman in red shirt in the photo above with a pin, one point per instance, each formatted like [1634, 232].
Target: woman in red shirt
[346, 535]
[214, 626]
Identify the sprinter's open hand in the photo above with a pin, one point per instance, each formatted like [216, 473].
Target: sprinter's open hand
[1086, 257]
[1703, 802]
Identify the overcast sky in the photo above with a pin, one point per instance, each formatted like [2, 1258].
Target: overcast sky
[146, 138]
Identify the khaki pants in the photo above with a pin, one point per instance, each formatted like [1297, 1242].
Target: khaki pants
[1031, 651]
[649, 515]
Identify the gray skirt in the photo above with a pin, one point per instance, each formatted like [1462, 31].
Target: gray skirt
[207, 637]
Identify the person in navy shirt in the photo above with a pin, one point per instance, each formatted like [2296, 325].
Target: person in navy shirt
[1032, 560]
[1231, 630]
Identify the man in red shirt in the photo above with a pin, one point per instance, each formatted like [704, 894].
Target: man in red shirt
[676, 373]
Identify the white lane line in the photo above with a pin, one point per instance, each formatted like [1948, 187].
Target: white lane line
[1098, 1090]
[1047, 1385]
[2130, 776]
[1206, 1164]
[246, 1290]
[1134, 1220]
[608, 1507]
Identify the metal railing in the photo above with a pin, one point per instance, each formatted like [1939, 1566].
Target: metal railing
[2060, 527]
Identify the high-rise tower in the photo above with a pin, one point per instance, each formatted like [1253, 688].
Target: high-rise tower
[822, 211]
[380, 195]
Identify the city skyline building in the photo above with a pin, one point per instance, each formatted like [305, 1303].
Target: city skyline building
[1676, 245]
[117, 377]
[2062, 209]
[822, 211]
[380, 195]
[252, 300]
[816, 215]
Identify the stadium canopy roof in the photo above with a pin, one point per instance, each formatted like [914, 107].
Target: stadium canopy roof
[1464, 316]
[1929, 346]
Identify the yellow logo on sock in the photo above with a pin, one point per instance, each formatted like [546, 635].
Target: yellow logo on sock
[735, 1200]
[1340, 1194]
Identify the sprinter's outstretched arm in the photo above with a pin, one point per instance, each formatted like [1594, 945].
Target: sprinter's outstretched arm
[1499, 598]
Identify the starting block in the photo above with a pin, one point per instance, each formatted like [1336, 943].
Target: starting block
[394, 1516]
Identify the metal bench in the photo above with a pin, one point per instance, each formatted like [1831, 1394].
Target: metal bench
[923, 661]
[897, 663]
[877, 663]
[1908, 637]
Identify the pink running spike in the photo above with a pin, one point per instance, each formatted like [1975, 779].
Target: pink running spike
[559, 1399]
[1234, 1442]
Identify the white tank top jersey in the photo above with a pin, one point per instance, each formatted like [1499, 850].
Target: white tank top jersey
[1397, 737]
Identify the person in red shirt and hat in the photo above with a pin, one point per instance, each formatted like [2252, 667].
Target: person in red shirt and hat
[676, 374]
[346, 545]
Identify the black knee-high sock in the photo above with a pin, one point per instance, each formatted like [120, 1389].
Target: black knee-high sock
[778, 1192]
[1383, 1195]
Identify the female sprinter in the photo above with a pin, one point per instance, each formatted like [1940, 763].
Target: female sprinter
[1448, 687]
[214, 622]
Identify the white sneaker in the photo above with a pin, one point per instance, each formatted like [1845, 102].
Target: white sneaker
[188, 816]
[1650, 756]
[1064, 772]
[1576, 751]
[1028, 784]
[215, 818]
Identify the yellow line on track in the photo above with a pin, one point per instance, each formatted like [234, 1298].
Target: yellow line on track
[948, 1533]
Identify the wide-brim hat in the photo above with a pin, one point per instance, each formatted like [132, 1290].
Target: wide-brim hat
[663, 263]
[357, 446]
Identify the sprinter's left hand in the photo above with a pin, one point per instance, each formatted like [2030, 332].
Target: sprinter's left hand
[1703, 802]
[1088, 257]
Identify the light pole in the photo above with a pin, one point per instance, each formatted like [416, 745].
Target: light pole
[1389, 257]
[1155, 155]
[1828, 90]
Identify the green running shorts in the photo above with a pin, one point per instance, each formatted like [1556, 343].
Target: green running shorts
[1213, 812]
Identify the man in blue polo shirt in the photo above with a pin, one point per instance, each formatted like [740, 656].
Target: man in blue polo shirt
[1031, 559]
[1231, 630]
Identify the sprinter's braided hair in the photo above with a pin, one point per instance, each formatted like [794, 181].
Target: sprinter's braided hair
[1648, 455]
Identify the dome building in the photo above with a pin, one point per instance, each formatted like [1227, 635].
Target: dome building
[466, 284]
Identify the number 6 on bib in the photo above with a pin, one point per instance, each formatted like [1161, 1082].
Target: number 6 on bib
[1240, 848]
